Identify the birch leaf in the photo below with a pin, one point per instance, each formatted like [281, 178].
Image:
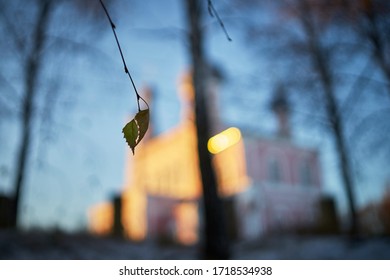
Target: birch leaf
[142, 120]
[130, 132]
[136, 129]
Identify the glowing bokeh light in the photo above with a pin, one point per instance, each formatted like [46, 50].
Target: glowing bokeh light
[224, 140]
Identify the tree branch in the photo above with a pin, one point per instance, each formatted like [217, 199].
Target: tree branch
[213, 12]
[122, 57]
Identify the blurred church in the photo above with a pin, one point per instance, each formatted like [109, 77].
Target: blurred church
[268, 183]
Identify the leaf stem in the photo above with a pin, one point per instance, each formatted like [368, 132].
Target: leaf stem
[123, 58]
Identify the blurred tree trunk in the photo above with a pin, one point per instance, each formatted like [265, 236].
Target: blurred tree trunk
[216, 243]
[321, 66]
[32, 68]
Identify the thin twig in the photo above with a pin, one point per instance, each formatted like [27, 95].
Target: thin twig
[356, 91]
[123, 58]
[213, 12]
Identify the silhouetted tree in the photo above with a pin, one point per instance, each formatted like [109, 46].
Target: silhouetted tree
[331, 52]
[32, 68]
[215, 234]
[304, 34]
[320, 64]
[27, 26]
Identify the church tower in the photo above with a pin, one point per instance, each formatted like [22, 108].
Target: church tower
[281, 108]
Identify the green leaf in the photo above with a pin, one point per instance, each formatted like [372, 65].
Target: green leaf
[136, 129]
[130, 132]
[142, 119]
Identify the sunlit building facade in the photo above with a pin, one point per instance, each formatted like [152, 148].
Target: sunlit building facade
[271, 183]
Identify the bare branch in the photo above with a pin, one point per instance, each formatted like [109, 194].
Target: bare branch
[355, 92]
[18, 40]
[123, 59]
[213, 12]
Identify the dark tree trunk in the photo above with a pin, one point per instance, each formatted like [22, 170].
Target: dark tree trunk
[216, 243]
[320, 64]
[31, 74]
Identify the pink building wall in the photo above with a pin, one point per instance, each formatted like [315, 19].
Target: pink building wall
[282, 199]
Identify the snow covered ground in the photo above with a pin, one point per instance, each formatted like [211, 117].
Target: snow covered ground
[316, 248]
[56, 245]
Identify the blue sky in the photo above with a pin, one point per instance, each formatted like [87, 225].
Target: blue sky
[85, 163]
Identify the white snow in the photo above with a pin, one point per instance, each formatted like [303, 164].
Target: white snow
[57, 245]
